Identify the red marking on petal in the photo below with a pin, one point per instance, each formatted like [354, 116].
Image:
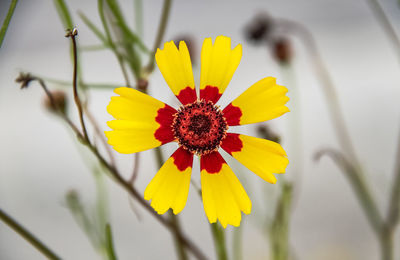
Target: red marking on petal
[210, 93]
[232, 143]
[232, 114]
[187, 95]
[182, 159]
[165, 117]
[212, 162]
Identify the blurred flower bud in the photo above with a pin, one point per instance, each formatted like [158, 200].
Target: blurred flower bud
[259, 28]
[282, 50]
[142, 84]
[190, 43]
[266, 133]
[24, 79]
[59, 103]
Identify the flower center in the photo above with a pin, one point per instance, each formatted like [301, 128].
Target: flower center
[199, 127]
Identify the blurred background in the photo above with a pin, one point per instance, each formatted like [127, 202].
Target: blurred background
[41, 161]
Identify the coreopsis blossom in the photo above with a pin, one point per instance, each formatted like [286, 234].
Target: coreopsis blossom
[199, 127]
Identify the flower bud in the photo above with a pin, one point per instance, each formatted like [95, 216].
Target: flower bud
[266, 133]
[190, 43]
[282, 50]
[59, 103]
[259, 29]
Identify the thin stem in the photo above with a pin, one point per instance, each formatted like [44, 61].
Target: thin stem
[237, 243]
[359, 187]
[111, 43]
[327, 86]
[139, 17]
[89, 85]
[386, 243]
[110, 244]
[7, 20]
[72, 34]
[387, 26]
[219, 241]
[135, 171]
[101, 135]
[29, 237]
[279, 227]
[160, 34]
[181, 252]
[394, 210]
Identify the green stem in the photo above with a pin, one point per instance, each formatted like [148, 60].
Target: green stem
[360, 188]
[139, 17]
[29, 237]
[7, 20]
[109, 243]
[160, 34]
[279, 228]
[237, 243]
[180, 250]
[219, 241]
[111, 43]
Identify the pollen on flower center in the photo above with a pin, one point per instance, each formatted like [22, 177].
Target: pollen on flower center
[199, 127]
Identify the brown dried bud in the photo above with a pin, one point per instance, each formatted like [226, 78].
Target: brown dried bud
[259, 29]
[268, 134]
[24, 79]
[282, 50]
[190, 43]
[142, 85]
[58, 102]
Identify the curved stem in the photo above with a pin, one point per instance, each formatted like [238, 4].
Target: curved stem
[327, 86]
[35, 242]
[72, 34]
[387, 26]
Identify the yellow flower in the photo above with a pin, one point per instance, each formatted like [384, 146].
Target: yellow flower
[200, 128]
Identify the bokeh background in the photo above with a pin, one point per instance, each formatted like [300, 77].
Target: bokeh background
[40, 159]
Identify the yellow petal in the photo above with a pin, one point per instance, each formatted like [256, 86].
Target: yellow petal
[263, 157]
[263, 101]
[218, 64]
[223, 196]
[176, 67]
[142, 122]
[170, 186]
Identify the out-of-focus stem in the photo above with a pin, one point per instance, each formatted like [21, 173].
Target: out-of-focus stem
[7, 20]
[394, 205]
[359, 185]
[237, 243]
[29, 237]
[111, 43]
[139, 17]
[386, 25]
[219, 241]
[160, 34]
[101, 135]
[135, 170]
[279, 227]
[327, 86]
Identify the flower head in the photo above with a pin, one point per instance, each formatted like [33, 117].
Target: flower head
[200, 128]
